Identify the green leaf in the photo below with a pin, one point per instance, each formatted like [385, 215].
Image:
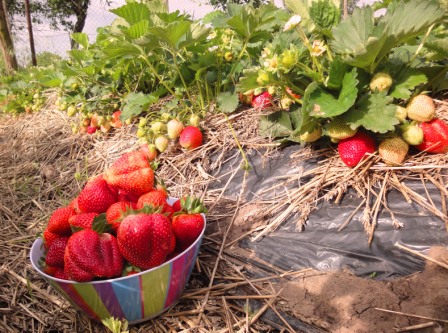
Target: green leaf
[138, 29]
[81, 39]
[227, 102]
[336, 74]
[275, 125]
[324, 14]
[405, 83]
[374, 112]
[173, 33]
[249, 80]
[326, 105]
[123, 49]
[133, 12]
[136, 103]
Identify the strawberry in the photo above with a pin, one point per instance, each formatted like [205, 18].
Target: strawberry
[49, 238]
[412, 133]
[393, 150]
[189, 222]
[55, 254]
[58, 222]
[149, 150]
[354, 149]
[90, 255]
[246, 98]
[194, 120]
[74, 205]
[153, 198]
[190, 137]
[262, 100]
[337, 129]
[435, 137]
[421, 108]
[126, 196]
[131, 173]
[381, 82]
[118, 211]
[82, 221]
[145, 239]
[168, 210]
[161, 143]
[176, 205]
[91, 129]
[116, 122]
[401, 113]
[174, 127]
[312, 136]
[96, 196]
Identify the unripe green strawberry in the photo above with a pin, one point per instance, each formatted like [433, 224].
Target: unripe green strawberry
[401, 113]
[380, 82]
[421, 108]
[158, 127]
[412, 134]
[141, 132]
[174, 127]
[142, 122]
[194, 120]
[337, 129]
[312, 136]
[161, 143]
[71, 110]
[393, 150]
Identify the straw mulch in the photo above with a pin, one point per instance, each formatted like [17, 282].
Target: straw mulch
[44, 166]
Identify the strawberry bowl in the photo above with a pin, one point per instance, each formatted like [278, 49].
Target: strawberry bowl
[135, 298]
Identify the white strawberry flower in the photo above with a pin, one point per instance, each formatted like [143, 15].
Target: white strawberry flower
[292, 23]
[318, 48]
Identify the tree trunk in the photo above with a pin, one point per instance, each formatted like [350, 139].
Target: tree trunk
[81, 14]
[6, 43]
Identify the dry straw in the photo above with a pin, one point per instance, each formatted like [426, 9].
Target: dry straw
[43, 166]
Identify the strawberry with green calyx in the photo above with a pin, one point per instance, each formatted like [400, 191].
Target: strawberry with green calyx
[393, 151]
[311, 136]
[131, 173]
[144, 239]
[337, 129]
[381, 82]
[92, 253]
[421, 108]
[173, 128]
[82, 221]
[435, 137]
[412, 133]
[356, 148]
[262, 101]
[96, 196]
[58, 222]
[188, 223]
[118, 211]
[190, 138]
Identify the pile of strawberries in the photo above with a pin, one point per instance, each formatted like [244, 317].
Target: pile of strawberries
[120, 224]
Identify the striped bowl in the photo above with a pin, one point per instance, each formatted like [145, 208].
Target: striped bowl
[136, 298]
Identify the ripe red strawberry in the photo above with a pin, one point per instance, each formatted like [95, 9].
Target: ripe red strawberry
[82, 221]
[74, 205]
[118, 211]
[435, 137]
[168, 210]
[144, 240]
[49, 238]
[96, 196]
[188, 223]
[91, 129]
[153, 198]
[176, 206]
[353, 149]
[55, 254]
[126, 196]
[190, 137]
[131, 173]
[90, 255]
[58, 222]
[262, 100]
[116, 122]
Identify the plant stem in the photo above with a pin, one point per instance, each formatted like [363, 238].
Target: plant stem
[243, 154]
[422, 43]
